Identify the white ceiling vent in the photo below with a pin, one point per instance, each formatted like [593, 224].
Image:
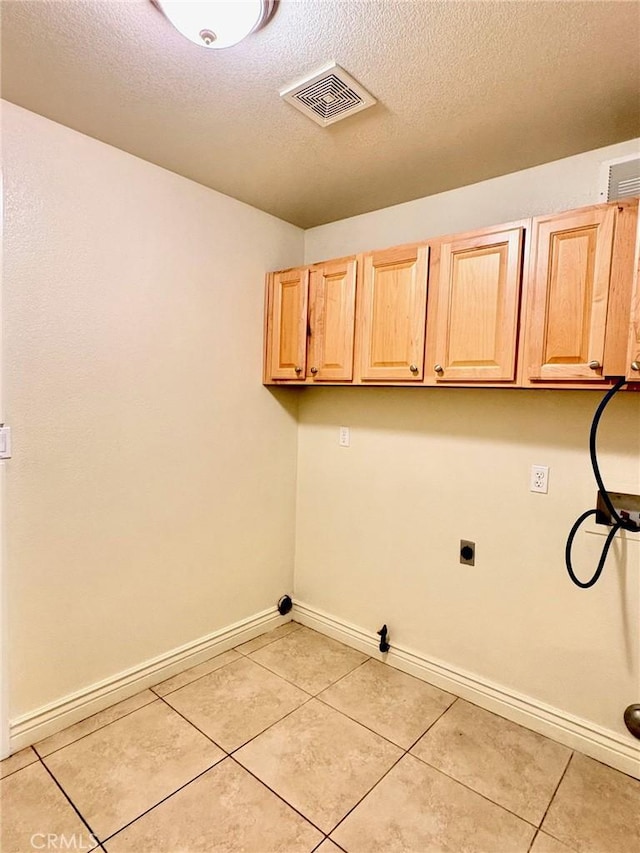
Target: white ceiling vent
[620, 178]
[328, 96]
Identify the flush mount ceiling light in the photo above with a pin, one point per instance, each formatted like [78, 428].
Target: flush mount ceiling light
[216, 23]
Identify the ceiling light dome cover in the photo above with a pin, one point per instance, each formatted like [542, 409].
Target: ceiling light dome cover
[216, 24]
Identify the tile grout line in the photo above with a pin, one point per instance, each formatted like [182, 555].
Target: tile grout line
[272, 672]
[229, 753]
[442, 772]
[366, 794]
[71, 803]
[40, 759]
[160, 802]
[326, 704]
[331, 841]
[520, 725]
[602, 763]
[204, 675]
[473, 790]
[479, 793]
[106, 725]
[308, 697]
[280, 797]
[247, 656]
[533, 841]
[400, 757]
[313, 695]
[553, 796]
[204, 734]
[373, 731]
[404, 753]
[274, 640]
[537, 827]
[430, 726]
[24, 766]
[342, 677]
[155, 698]
[243, 655]
[226, 755]
[270, 726]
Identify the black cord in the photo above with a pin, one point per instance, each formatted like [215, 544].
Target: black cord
[625, 524]
[603, 556]
[619, 522]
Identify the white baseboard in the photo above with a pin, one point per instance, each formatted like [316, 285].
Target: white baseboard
[605, 745]
[52, 718]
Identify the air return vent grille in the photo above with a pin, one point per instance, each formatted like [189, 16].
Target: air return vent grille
[620, 178]
[328, 96]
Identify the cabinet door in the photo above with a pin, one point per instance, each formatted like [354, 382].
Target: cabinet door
[569, 291]
[288, 293]
[476, 319]
[332, 305]
[633, 359]
[393, 314]
[626, 278]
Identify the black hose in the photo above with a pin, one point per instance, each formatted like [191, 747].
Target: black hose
[603, 555]
[619, 523]
[625, 524]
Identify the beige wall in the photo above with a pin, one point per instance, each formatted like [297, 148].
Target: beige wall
[379, 523]
[151, 495]
[561, 185]
[151, 490]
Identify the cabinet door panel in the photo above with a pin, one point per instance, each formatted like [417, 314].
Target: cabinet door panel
[570, 273]
[393, 315]
[332, 301]
[633, 357]
[289, 293]
[477, 308]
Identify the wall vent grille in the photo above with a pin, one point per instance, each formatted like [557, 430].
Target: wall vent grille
[328, 96]
[620, 178]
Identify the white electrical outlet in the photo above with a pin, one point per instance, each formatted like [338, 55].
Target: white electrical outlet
[345, 437]
[539, 479]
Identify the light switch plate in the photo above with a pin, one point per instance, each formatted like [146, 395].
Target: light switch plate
[345, 437]
[5, 442]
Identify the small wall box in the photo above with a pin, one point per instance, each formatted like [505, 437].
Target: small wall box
[622, 503]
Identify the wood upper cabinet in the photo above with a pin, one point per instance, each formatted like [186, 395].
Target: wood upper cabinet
[392, 314]
[286, 324]
[332, 307]
[570, 286]
[544, 302]
[474, 297]
[633, 354]
[310, 321]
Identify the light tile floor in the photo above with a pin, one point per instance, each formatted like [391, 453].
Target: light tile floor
[294, 743]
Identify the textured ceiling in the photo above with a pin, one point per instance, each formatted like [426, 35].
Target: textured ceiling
[466, 91]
